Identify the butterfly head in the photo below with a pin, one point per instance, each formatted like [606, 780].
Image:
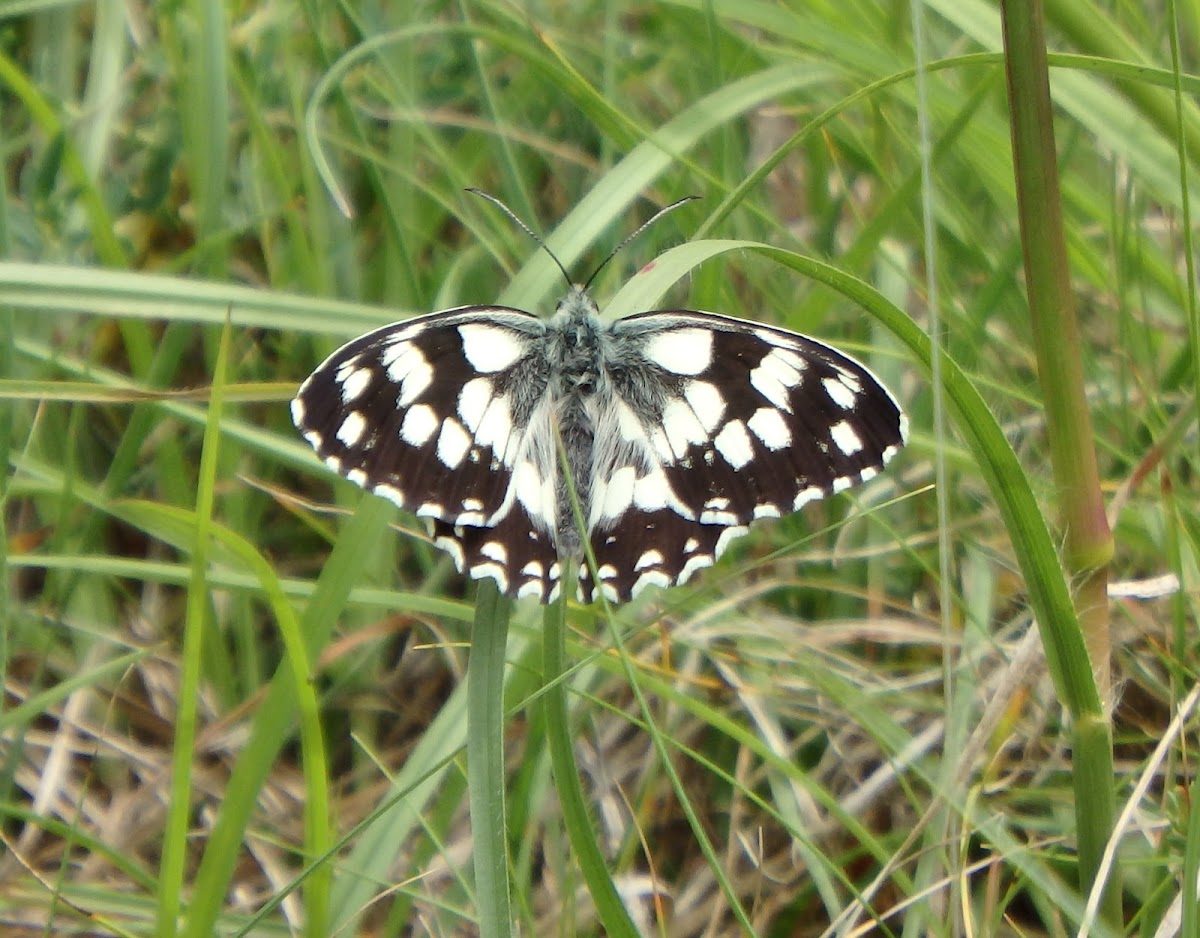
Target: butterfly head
[577, 339]
[577, 310]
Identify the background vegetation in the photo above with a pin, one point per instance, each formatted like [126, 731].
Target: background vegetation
[234, 696]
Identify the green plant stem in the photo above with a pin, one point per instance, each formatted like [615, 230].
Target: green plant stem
[1088, 540]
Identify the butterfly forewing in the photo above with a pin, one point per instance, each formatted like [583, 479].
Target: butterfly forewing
[435, 414]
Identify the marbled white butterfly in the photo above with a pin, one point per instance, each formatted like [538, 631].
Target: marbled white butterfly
[678, 429]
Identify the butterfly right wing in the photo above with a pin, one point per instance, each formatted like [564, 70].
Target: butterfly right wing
[717, 422]
[440, 415]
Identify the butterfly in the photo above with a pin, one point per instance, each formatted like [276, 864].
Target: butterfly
[674, 430]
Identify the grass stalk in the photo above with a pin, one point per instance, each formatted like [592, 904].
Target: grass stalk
[485, 760]
[179, 811]
[567, 785]
[1088, 544]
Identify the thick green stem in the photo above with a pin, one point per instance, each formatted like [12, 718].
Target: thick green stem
[1056, 337]
[1051, 304]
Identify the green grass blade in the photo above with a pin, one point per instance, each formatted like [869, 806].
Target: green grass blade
[486, 769]
[176, 526]
[179, 810]
[273, 723]
[561, 745]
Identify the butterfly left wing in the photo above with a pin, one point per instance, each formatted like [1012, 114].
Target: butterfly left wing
[729, 421]
[441, 415]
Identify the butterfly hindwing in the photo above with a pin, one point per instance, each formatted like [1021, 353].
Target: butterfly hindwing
[515, 552]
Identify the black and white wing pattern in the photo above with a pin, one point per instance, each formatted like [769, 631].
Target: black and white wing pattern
[434, 414]
[730, 421]
[679, 429]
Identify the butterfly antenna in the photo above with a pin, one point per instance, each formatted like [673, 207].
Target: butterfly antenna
[525, 228]
[653, 218]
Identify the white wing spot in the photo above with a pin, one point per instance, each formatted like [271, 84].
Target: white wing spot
[651, 558]
[358, 477]
[453, 548]
[334, 463]
[495, 429]
[681, 351]
[532, 588]
[682, 427]
[407, 367]
[493, 570]
[728, 535]
[716, 512]
[654, 491]
[391, 493]
[842, 483]
[534, 568]
[690, 545]
[606, 572]
[397, 358]
[769, 426]
[618, 495]
[472, 504]
[297, 411]
[354, 383]
[771, 338]
[419, 425]
[733, 442]
[496, 551]
[766, 510]
[473, 401]
[352, 428]
[779, 370]
[846, 437]
[650, 578]
[628, 424]
[489, 349]
[804, 496]
[410, 331]
[694, 563]
[851, 380]
[839, 393]
[707, 403]
[535, 494]
[791, 360]
[453, 443]
[662, 446]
